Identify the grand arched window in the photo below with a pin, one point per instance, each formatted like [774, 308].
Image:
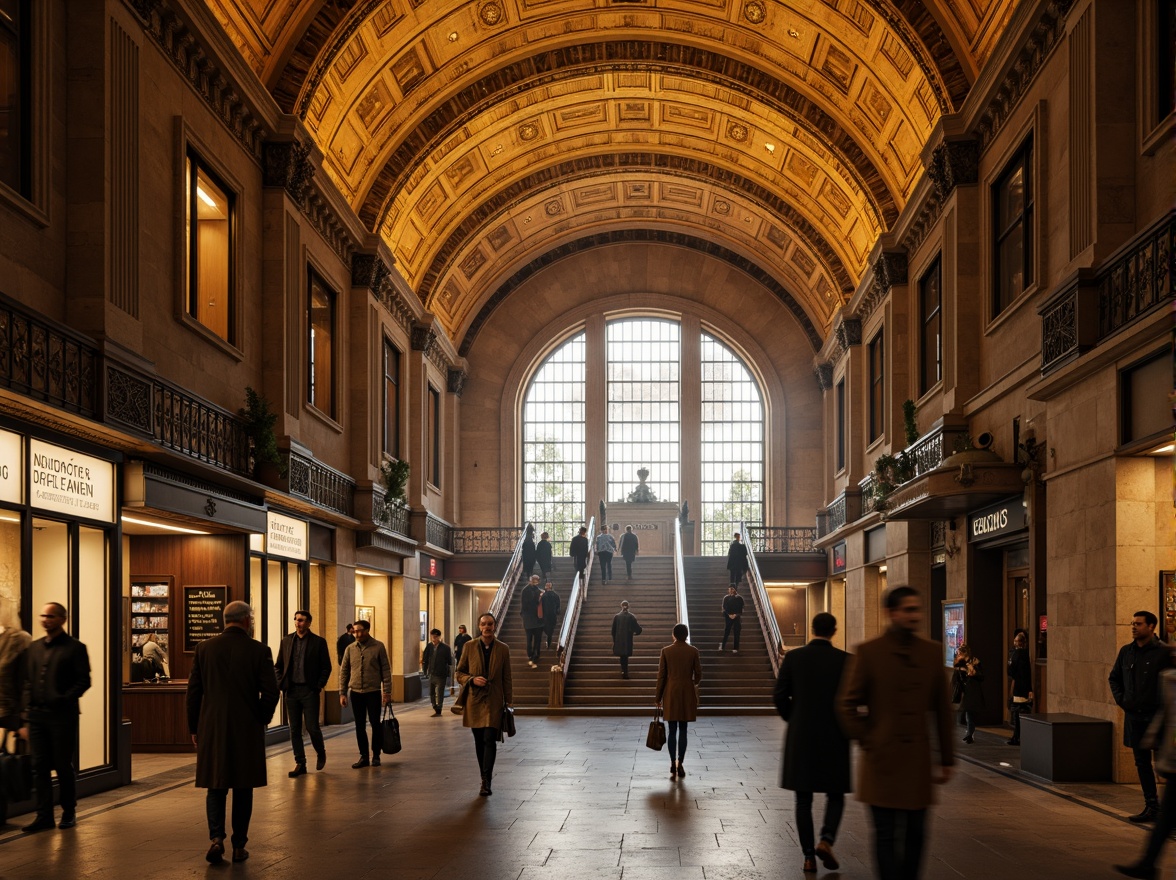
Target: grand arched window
[647, 381]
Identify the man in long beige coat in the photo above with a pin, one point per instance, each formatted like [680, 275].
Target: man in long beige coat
[679, 670]
[895, 680]
[485, 666]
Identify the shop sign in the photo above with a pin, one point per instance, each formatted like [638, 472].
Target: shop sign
[1001, 519]
[286, 536]
[68, 482]
[204, 612]
[432, 568]
[838, 559]
[11, 469]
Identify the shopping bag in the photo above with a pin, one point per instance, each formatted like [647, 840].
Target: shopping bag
[656, 737]
[390, 728]
[16, 770]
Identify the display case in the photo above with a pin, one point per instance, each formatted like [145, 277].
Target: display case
[953, 629]
[151, 600]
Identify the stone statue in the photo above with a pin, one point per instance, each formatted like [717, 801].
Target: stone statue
[642, 494]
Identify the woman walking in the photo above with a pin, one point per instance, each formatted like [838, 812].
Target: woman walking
[485, 666]
[678, 673]
[968, 678]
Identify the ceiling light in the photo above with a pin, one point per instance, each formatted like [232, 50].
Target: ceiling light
[453, 36]
[369, 574]
[8, 517]
[1167, 449]
[165, 526]
[204, 197]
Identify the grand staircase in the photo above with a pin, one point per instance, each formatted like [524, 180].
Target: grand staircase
[530, 685]
[594, 674]
[731, 682]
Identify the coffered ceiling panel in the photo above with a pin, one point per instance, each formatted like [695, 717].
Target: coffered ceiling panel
[479, 137]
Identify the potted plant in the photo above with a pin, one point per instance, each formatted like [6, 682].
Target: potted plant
[394, 474]
[908, 421]
[260, 419]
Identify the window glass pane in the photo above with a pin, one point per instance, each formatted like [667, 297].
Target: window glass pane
[877, 387]
[841, 433]
[930, 342]
[553, 445]
[321, 346]
[91, 627]
[1013, 218]
[643, 358]
[14, 94]
[391, 399]
[10, 607]
[272, 617]
[210, 252]
[732, 447]
[434, 417]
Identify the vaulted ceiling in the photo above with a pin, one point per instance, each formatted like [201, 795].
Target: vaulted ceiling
[479, 138]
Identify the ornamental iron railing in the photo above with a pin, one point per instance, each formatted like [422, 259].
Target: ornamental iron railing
[485, 540]
[781, 539]
[42, 360]
[319, 484]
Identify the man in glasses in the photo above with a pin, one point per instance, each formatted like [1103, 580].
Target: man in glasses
[57, 674]
[303, 667]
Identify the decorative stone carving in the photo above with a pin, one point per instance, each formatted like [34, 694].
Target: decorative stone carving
[128, 399]
[824, 373]
[457, 380]
[849, 333]
[755, 11]
[955, 163]
[490, 13]
[368, 270]
[641, 493]
[287, 164]
[424, 337]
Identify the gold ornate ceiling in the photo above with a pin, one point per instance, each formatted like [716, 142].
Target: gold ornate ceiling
[479, 138]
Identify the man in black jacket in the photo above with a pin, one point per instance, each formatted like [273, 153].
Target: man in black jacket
[436, 661]
[1134, 681]
[343, 641]
[56, 675]
[303, 667]
[578, 550]
[732, 616]
[543, 555]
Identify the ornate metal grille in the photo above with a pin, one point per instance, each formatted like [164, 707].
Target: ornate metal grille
[46, 362]
[782, 539]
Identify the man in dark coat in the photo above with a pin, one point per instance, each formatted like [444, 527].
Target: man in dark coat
[816, 750]
[737, 564]
[732, 617]
[57, 673]
[232, 694]
[459, 642]
[1134, 681]
[532, 622]
[543, 555]
[629, 546]
[578, 550]
[550, 601]
[343, 641]
[529, 552]
[303, 667]
[1021, 680]
[624, 627]
[898, 679]
[436, 661]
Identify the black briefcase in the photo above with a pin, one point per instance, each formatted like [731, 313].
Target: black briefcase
[390, 728]
[16, 770]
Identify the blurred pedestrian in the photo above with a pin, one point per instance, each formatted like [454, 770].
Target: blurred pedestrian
[624, 627]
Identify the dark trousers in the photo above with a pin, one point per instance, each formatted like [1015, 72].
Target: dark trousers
[302, 705]
[214, 806]
[534, 643]
[437, 691]
[624, 663]
[898, 842]
[834, 808]
[970, 718]
[486, 745]
[549, 629]
[53, 743]
[1147, 776]
[676, 739]
[1015, 711]
[736, 577]
[732, 626]
[1163, 827]
[367, 704]
[629, 567]
[605, 565]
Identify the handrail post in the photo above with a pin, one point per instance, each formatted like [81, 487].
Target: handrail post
[767, 616]
[567, 630]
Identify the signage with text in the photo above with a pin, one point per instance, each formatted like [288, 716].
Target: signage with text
[11, 468]
[68, 482]
[1001, 519]
[432, 568]
[286, 536]
[204, 610]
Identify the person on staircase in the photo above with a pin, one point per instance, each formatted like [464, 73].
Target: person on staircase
[679, 670]
[624, 627]
[578, 550]
[532, 622]
[606, 546]
[529, 551]
[737, 564]
[629, 546]
[543, 555]
[732, 617]
[550, 603]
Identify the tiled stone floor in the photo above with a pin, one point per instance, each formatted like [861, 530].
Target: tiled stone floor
[573, 797]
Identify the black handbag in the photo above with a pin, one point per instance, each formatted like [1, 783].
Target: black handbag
[507, 727]
[656, 737]
[16, 770]
[390, 729]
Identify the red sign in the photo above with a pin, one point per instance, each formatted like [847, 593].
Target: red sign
[432, 567]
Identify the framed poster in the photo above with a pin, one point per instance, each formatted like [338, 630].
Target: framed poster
[368, 613]
[204, 610]
[424, 626]
[953, 629]
[1167, 605]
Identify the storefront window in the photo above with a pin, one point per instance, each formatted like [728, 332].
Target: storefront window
[9, 569]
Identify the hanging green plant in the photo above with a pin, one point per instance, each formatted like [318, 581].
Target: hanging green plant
[908, 421]
[394, 474]
[260, 419]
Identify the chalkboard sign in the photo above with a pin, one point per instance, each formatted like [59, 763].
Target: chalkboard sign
[204, 609]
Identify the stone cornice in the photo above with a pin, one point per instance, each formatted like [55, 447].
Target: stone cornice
[823, 370]
[197, 46]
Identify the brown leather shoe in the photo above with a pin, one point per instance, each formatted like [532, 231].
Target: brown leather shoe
[810, 866]
[240, 854]
[825, 854]
[216, 852]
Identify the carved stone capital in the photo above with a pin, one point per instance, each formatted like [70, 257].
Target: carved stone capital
[457, 380]
[368, 270]
[849, 333]
[424, 337]
[287, 164]
[954, 163]
[824, 373]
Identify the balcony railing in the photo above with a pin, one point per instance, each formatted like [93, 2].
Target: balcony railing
[46, 362]
[1091, 307]
[198, 429]
[782, 539]
[869, 499]
[488, 540]
[321, 485]
[438, 532]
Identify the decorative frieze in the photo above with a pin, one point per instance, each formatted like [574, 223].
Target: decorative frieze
[287, 164]
[954, 163]
[824, 373]
[370, 271]
[457, 378]
[424, 338]
[181, 46]
[890, 268]
[849, 334]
